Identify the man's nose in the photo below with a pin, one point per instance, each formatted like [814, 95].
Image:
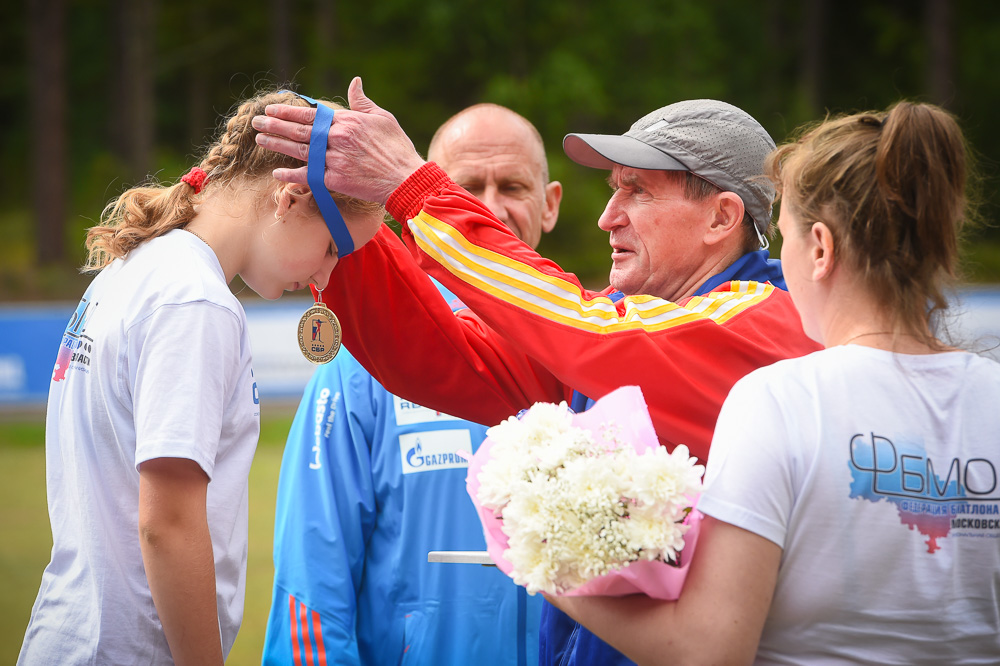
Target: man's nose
[613, 215]
[491, 197]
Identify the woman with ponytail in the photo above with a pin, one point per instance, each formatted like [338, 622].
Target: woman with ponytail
[153, 412]
[852, 498]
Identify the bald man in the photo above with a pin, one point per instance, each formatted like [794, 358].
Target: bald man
[499, 157]
[370, 483]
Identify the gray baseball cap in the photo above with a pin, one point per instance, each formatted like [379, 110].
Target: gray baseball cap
[713, 140]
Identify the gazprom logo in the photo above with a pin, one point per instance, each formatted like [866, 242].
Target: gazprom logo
[433, 450]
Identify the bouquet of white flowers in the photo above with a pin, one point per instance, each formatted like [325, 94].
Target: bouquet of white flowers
[586, 503]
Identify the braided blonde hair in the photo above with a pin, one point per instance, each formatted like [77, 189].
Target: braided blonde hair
[233, 159]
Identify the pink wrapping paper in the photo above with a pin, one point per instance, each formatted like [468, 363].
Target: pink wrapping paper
[627, 409]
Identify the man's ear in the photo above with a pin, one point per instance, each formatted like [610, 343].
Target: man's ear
[726, 216]
[553, 196]
[821, 250]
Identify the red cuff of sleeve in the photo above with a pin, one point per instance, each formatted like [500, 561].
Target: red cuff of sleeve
[407, 199]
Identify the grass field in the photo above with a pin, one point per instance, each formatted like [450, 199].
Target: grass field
[25, 539]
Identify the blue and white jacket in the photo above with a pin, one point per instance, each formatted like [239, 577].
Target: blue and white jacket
[369, 484]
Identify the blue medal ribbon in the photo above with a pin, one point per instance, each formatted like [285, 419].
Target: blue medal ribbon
[316, 170]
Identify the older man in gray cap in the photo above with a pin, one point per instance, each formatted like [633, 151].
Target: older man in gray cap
[694, 160]
[694, 303]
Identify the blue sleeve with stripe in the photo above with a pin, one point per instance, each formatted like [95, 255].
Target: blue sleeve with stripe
[322, 525]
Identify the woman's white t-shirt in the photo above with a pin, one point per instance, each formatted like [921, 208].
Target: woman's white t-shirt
[877, 474]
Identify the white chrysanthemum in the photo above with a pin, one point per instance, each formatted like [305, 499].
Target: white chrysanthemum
[666, 477]
[573, 509]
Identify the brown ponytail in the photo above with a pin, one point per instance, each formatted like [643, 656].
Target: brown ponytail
[892, 188]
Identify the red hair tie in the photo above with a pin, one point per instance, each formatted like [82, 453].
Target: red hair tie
[196, 178]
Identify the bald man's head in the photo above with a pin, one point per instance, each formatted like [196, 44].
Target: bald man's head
[498, 156]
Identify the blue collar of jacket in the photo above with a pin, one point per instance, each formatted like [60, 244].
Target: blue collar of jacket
[756, 266]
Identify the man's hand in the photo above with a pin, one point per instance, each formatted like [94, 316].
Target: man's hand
[368, 155]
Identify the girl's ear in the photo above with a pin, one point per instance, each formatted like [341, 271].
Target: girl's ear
[289, 195]
[821, 250]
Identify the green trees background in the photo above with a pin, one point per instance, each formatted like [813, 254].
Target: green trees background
[99, 94]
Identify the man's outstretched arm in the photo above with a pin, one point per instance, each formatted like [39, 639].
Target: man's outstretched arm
[394, 321]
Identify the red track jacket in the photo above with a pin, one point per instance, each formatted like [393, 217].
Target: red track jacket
[532, 332]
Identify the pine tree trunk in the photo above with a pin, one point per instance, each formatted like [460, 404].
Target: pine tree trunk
[282, 43]
[941, 61]
[50, 167]
[813, 44]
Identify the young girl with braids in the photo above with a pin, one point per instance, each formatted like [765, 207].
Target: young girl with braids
[851, 496]
[153, 412]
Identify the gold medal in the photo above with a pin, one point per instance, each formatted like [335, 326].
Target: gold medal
[319, 333]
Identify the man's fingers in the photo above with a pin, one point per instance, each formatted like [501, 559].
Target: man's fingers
[358, 101]
[356, 98]
[294, 131]
[296, 114]
[291, 175]
[279, 144]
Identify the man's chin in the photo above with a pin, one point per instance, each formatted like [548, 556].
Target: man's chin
[621, 282]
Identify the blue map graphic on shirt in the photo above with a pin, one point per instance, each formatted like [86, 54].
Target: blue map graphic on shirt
[903, 474]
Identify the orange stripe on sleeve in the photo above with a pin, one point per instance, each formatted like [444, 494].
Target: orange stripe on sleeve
[306, 641]
[318, 633]
[294, 623]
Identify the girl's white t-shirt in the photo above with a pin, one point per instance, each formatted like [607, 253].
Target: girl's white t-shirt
[155, 363]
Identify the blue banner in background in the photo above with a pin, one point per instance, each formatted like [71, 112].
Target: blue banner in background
[30, 337]
[973, 321]
[29, 341]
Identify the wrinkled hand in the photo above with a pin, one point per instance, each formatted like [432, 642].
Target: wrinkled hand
[367, 156]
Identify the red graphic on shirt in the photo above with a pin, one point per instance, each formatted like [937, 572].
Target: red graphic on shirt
[932, 527]
[75, 346]
[62, 363]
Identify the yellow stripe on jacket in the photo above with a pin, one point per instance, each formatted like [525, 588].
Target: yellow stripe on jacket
[562, 301]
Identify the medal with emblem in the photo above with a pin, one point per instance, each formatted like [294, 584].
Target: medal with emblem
[319, 329]
[319, 333]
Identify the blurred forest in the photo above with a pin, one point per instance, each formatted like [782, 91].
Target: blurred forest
[101, 94]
